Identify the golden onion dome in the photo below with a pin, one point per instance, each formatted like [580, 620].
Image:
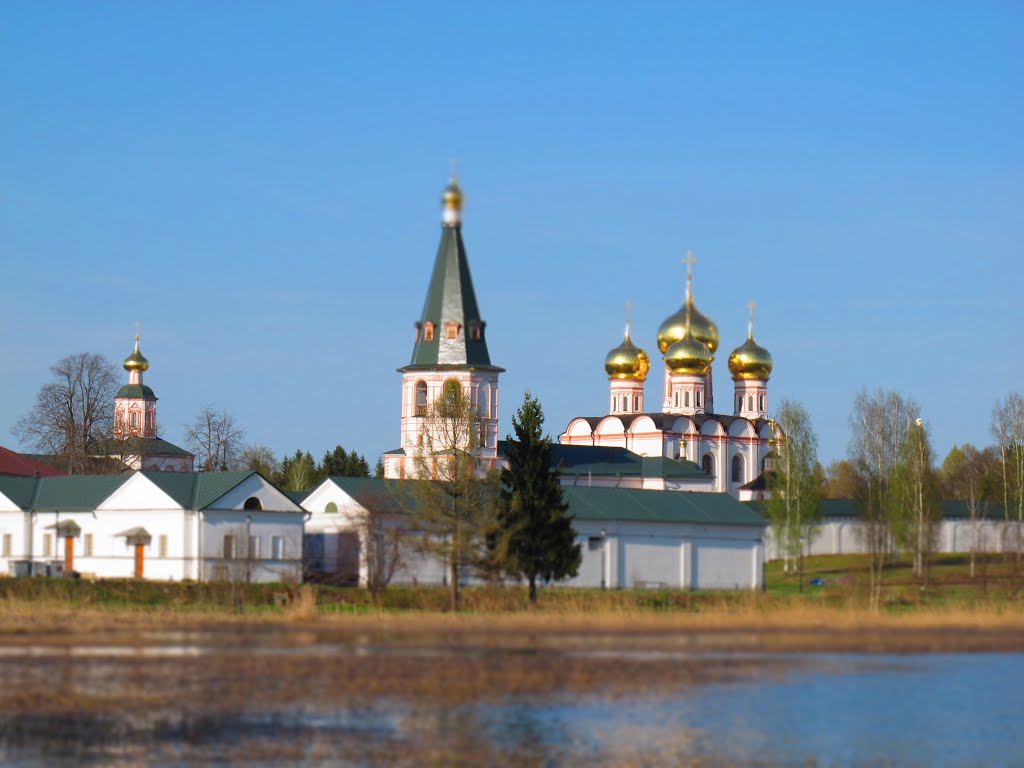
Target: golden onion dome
[627, 361]
[452, 196]
[702, 328]
[688, 355]
[135, 361]
[750, 361]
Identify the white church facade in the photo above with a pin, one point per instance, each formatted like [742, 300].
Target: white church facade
[731, 449]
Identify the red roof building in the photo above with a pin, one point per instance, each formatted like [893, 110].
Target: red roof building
[12, 463]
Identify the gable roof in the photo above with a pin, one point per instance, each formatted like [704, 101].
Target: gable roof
[19, 490]
[14, 463]
[388, 496]
[451, 298]
[72, 493]
[68, 493]
[197, 490]
[635, 505]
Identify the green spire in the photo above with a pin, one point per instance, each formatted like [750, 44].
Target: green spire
[450, 333]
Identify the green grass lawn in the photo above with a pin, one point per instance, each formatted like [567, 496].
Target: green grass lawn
[843, 579]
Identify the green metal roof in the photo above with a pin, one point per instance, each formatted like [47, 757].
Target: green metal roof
[580, 460]
[197, 490]
[190, 490]
[389, 496]
[136, 391]
[141, 446]
[451, 298]
[658, 506]
[19, 489]
[297, 496]
[80, 493]
[952, 509]
[397, 496]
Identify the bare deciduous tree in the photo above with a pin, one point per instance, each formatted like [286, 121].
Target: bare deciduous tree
[963, 478]
[73, 414]
[215, 438]
[453, 512]
[381, 537]
[259, 458]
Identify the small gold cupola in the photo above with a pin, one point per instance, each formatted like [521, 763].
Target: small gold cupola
[688, 356]
[135, 362]
[750, 360]
[627, 361]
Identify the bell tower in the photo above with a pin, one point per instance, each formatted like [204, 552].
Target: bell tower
[135, 403]
[450, 349]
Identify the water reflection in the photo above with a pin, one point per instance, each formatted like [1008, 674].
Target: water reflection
[834, 710]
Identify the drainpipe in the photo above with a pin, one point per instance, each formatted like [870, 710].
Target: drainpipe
[200, 558]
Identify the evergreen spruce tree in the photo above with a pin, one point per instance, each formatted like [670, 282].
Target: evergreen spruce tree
[536, 539]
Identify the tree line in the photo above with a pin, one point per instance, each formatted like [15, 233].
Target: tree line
[71, 425]
[891, 474]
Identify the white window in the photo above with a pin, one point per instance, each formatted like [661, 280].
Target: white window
[87, 545]
[47, 545]
[7, 545]
[698, 398]
[277, 547]
[163, 545]
[686, 398]
[254, 547]
[331, 508]
[750, 402]
[229, 547]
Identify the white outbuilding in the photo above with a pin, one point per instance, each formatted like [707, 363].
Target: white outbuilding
[628, 537]
[154, 525]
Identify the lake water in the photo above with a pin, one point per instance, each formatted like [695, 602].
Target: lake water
[959, 709]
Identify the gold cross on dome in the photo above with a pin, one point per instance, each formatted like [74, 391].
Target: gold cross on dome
[629, 316]
[455, 169]
[751, 306]
[689, 261]
[138, 327]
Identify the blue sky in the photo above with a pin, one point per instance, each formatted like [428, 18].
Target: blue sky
[259, 184]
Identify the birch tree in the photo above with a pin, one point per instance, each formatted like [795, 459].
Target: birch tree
[1008, 431]
[878, 424]
[793, 505]
[914, 508]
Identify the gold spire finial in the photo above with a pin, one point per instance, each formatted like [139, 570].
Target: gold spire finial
[629, 316]
[455, 169]
[689, 261]
[751, 306]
